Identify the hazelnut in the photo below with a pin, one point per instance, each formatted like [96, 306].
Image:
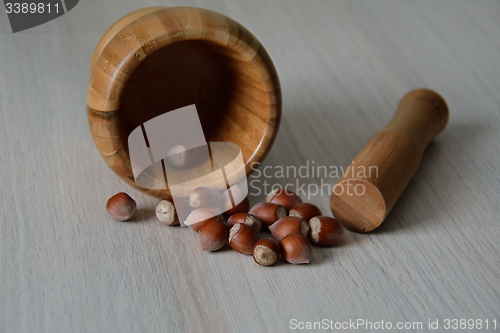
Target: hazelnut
[245, 218]
[268, 212]
[286, 198]
[266, 251]
[166, 212]
[205, 196]
[198, 217]
[305, 211]
[121, 206]
[213, 235]
[180, 157]
[325, 230]
[240, 200]
[242, 207]
[289, 225]
[242, 238]
[296, 249]
[182, 208]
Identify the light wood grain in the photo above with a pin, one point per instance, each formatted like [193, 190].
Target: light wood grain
[160, 59]
[343, 67]
[372, 184]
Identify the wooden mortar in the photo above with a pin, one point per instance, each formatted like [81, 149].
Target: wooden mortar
[159, 59]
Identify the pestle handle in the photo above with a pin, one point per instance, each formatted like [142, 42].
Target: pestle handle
[421, 115]
[374, 181]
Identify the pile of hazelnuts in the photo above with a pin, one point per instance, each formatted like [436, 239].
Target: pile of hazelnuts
[293, 224]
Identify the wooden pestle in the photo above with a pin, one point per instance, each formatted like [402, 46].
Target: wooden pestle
[374, 181]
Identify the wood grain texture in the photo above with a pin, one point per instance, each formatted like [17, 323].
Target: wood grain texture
[371, 186]
[343, 67]
[159, 59]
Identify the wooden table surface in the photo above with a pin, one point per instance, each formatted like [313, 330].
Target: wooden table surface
[343, 65]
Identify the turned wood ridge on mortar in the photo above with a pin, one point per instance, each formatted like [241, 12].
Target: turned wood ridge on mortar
[159, 59]
[395, 152]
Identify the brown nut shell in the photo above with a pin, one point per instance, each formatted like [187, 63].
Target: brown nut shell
[213, 235]
[268, 213]
[181, 207]
[305, 211]
[296, 249]
[289, 225]
[266, 251]
[242, 207]
[242, 238]
[121, 206]
[200, 216]
[285, 198]
[325, 230]
[205, 196]
[245, 218]
[234, 195]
